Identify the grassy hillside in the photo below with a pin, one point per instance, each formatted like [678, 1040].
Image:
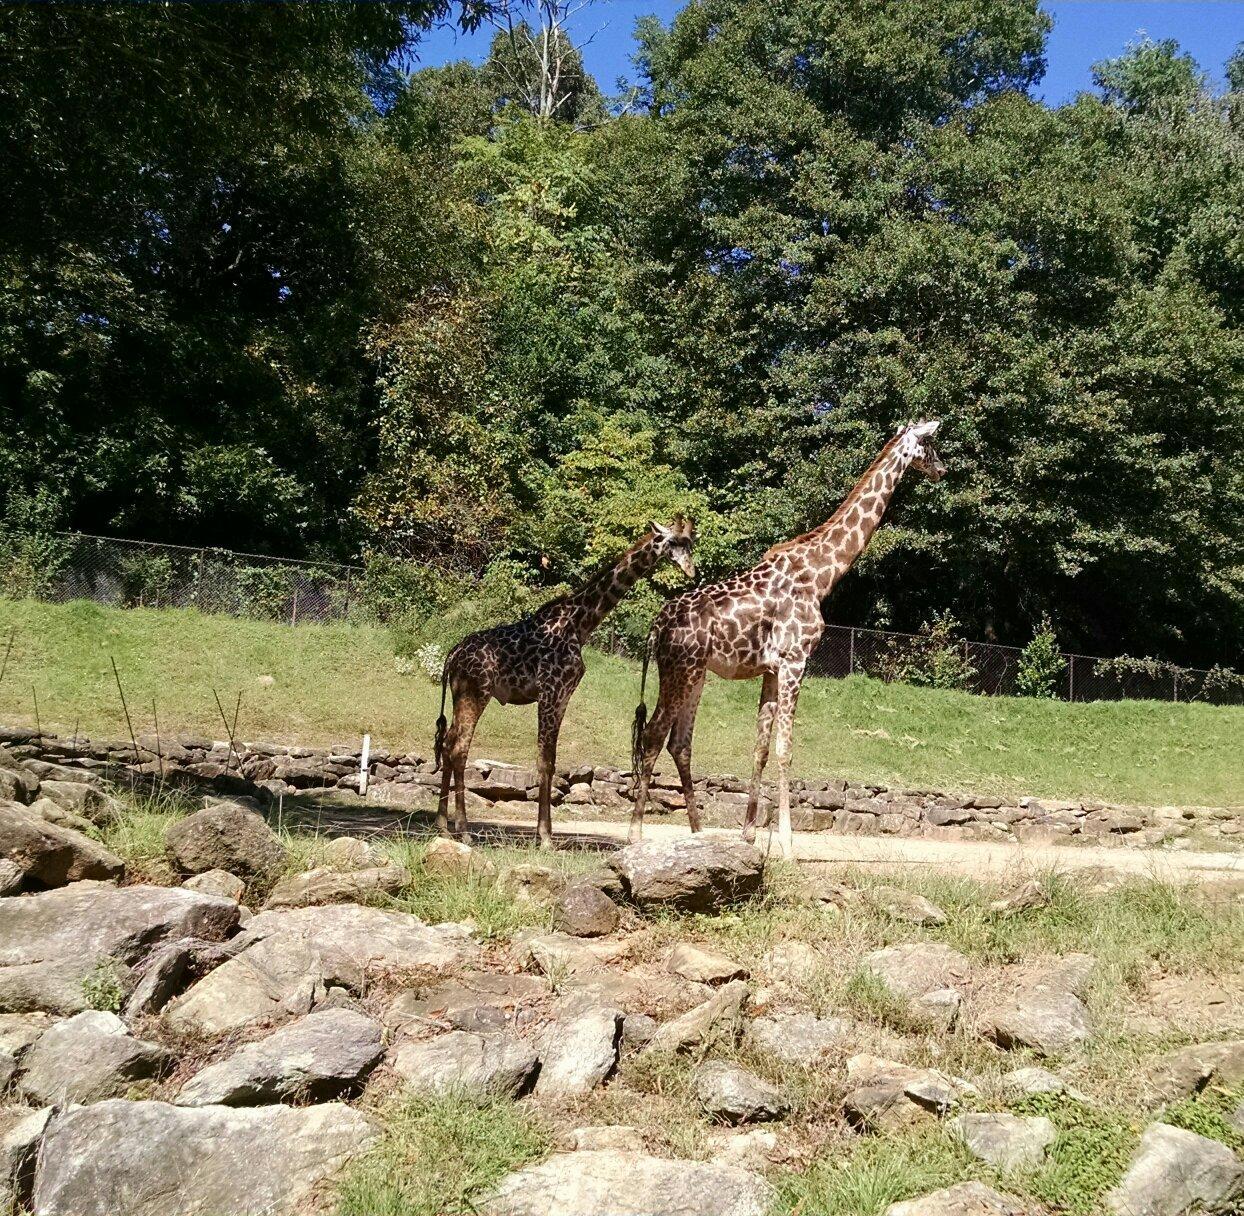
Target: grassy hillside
[330, 683]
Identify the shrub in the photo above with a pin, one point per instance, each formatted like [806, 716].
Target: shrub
[264, 591]
[1041, 664]
[936, 658]
[32, 553]
[148, 578]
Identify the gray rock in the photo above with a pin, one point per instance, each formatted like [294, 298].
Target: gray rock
[703, 966]
[1020, 1082]
[288, 959]
[618, 1136]
[560, 955]
[733, 1095]
[1236, 1118]
[696, 873]
[615, 1183]
[121, 1158]
[80, 799]
[906, 906]
[17, 784]
[471, 1063]
[169, 969]
[12, 876]
[477, 1000]
[54, 813]
[225, 836]
[1025, 898]
[583, 910]
[351, 853]
[323, 1055]
[51, 855]
[453, 857]
[530, 884]
[1174, 1170]
[885, 1095]
[916, 968]
[86, 1058]
[21, 1130]
[938, 1010]
[1188, 1070]
[19, 1030]
[217, 882]
[1010, 1142]
[1044, 1019]
[51, 942]
[325, 886]
[962, 1199]
[718, 1018]
[579, 1053]
[800, 1038]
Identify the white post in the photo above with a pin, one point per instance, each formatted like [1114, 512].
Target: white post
[364, 760]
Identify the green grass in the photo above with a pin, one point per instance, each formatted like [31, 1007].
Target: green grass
[333, 682]
[438, 1156]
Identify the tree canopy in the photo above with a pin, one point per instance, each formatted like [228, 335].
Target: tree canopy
[261, 286]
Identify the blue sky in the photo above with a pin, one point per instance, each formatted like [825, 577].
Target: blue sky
[1084, 32]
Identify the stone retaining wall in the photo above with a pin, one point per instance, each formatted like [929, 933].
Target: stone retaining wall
[830, 805]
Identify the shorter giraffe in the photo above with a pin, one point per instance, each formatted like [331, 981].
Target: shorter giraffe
[539, 658]
[764, 622]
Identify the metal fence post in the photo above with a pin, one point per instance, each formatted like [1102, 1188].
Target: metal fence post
[851, 653]
[1071, 677]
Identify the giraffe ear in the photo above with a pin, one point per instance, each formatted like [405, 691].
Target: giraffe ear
[923, 430]
[658, 530]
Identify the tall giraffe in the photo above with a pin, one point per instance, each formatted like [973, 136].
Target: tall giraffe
[764, 622]
[539, 658]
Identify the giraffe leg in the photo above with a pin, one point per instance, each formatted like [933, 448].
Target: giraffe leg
[655, 734]
[550, 724]
[760, 755]
[680, 749]
[790, 677]
[467, 712]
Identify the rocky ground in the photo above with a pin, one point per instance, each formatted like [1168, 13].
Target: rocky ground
[202, 1012]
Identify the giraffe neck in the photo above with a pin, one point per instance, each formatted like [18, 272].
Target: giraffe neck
[831, 549]
[601, 595]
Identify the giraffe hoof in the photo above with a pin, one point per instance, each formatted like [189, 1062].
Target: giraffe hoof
[546, 843]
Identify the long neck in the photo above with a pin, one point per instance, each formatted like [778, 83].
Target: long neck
[831, 549]
[600, 595]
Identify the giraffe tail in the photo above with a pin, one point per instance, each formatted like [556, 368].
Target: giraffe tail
[641, 714]
[442, 725]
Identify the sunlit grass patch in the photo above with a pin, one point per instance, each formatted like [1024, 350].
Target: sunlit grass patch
[438, 1156]
[137, 833]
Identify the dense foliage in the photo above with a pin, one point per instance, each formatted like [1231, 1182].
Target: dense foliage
[260, 288]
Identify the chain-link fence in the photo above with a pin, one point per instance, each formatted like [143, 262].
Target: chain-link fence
[136, 574]
[127, 574]
[991, 669]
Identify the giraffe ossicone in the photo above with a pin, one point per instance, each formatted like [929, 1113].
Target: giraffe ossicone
[539, 659]
[763, 622]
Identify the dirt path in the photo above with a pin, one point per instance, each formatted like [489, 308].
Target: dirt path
[961, 857]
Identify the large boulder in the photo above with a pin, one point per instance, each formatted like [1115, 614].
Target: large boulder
[734, 1095]
[120, 1158]
[50, 943]
[579, 1053]
[962, 1199]
[906, 906]
[288, 959]
[613, 1183]
[1173, 1171]
[323, 1055]
[78, 798]
[325, 886]
[50, 855]
[12, 876]
[217, 882]
[86, 1058]
[468, 1063]
[698, 873]
[225, 836]
[1048, 1020]
[21, 1129]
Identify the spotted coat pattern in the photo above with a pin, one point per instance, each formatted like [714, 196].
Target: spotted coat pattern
[764, 622]
[540, 659]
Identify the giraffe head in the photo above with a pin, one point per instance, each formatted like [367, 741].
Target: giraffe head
[915, 442]
[674, 542]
